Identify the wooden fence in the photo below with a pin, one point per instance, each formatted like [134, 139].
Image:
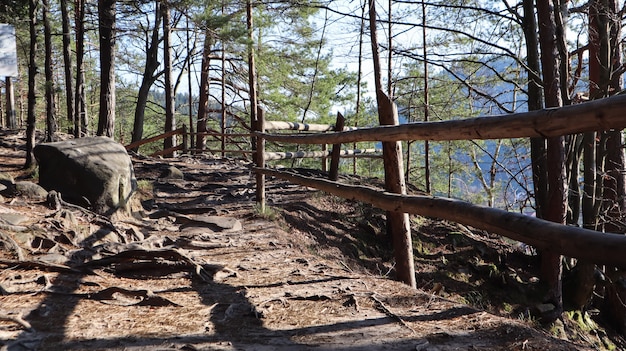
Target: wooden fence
[180, 131]
[599, 115]
[323, 154]
[260, 156]
[184, 144]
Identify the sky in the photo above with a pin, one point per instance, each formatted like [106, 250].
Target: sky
[8, 51]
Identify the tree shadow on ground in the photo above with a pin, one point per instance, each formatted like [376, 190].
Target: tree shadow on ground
[234, 323]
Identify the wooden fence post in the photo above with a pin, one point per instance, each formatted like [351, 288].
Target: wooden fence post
[324, 158]
[11, 122]
[260, 160]
[185, 135]
[334, 156]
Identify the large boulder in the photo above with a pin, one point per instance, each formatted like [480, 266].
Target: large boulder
[95, 172]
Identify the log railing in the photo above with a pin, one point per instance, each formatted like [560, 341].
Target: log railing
[269, 156]
[183, 146]
[180, 131]
[598, 115]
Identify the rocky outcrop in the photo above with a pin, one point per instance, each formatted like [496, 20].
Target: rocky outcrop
[93, 172]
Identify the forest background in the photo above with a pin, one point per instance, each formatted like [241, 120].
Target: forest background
[132, 69]
[313, 60]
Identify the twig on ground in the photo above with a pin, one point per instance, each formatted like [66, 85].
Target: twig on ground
[346, 267]
[389, 313]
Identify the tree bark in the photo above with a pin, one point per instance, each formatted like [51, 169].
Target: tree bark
[397, 222]
[107, 29]
[252, 79]
[51, 123]
[67, 62]
[189, 85]
[551, 267]
[148, 78]
[609, 30]
[170, 122]
[535, 102]
[223, 114]
[605, 53]
[32, 73]
[80, 104]
[615, 184]
[359, 78]
[583, 282]
[427, 184]
[203, 100]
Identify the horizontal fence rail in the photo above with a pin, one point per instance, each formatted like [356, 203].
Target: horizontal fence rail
[183, 146]
[604, 114]
[576, 242]
[136, 144]
[269, 156]
[280, 125]
[218, 151]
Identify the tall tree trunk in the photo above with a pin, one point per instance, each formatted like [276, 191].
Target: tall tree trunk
[252, 82]
[203, 99]
[574, 148]
[189, 85]
[426, 102]
[32, 73]
[560, 19]
[615, 185]
[67, 62]
[535, 102]
[614, 210]
[397, 222]
[358, 80]
[584, 282]
[51, 123]
[148, 78]
[80, 100]
[106, 117]
[170, 122]
[604, 33]
[223, 87]
[257, 119]
[551, 267]
[389, 51]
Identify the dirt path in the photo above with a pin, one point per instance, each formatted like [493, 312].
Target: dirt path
[203, 271]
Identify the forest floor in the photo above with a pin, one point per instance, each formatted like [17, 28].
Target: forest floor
[200, 268]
